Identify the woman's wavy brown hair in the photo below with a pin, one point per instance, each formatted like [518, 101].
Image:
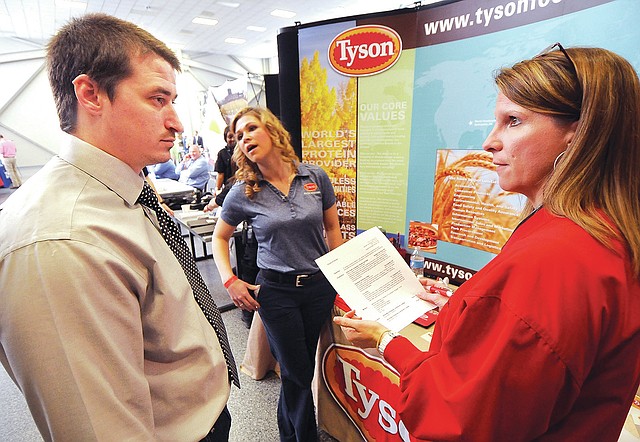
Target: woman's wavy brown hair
[599, 171]
[248, 171]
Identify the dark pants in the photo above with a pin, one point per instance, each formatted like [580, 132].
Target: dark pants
[292, 318]
[220, 430]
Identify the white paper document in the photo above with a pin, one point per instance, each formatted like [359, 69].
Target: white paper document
[371, 276]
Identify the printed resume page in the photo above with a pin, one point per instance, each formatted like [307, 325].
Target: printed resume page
[371, 276]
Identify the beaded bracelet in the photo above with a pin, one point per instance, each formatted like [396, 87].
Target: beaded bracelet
[230, 281]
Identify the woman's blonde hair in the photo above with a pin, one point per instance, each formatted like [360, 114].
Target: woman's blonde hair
[248, 171]
[599, 172]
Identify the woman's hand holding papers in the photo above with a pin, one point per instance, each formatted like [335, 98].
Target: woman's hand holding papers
[361, 333]
[366, 334]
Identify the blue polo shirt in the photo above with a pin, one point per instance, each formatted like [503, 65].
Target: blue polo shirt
[289, 228]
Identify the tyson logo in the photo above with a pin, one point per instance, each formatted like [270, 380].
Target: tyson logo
[365, 50]
[310, 187]
[367, 390]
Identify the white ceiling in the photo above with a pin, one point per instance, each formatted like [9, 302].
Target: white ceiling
[171, 20]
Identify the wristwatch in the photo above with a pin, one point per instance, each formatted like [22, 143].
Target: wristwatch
[385, 339]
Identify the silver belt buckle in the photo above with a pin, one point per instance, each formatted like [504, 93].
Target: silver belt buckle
[300, 280]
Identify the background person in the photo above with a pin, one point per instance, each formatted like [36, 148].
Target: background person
[197, 140]
[166, 170]
[225, 167]
[543, 343]
[8, 153]
[289, 206]
[184, 145]
[194, 169]
[104, 337]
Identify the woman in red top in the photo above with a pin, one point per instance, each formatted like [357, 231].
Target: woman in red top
[543, 343]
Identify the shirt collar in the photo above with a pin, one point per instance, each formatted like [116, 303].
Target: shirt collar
[302, 169]
[109, 170]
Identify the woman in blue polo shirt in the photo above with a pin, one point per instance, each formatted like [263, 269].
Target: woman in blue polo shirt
[292, 209]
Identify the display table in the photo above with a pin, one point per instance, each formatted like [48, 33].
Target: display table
[168, 188]
[199, 225]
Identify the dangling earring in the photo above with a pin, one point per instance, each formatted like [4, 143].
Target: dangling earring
[555, 162]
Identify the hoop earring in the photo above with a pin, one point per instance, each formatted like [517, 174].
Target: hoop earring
[555, 162]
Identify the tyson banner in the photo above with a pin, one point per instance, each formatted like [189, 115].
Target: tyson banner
[367, 390]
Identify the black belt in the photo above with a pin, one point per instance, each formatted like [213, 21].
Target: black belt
[296, 280]
[220, 430]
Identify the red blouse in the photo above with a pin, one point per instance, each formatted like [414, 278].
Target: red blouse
[542, 344]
